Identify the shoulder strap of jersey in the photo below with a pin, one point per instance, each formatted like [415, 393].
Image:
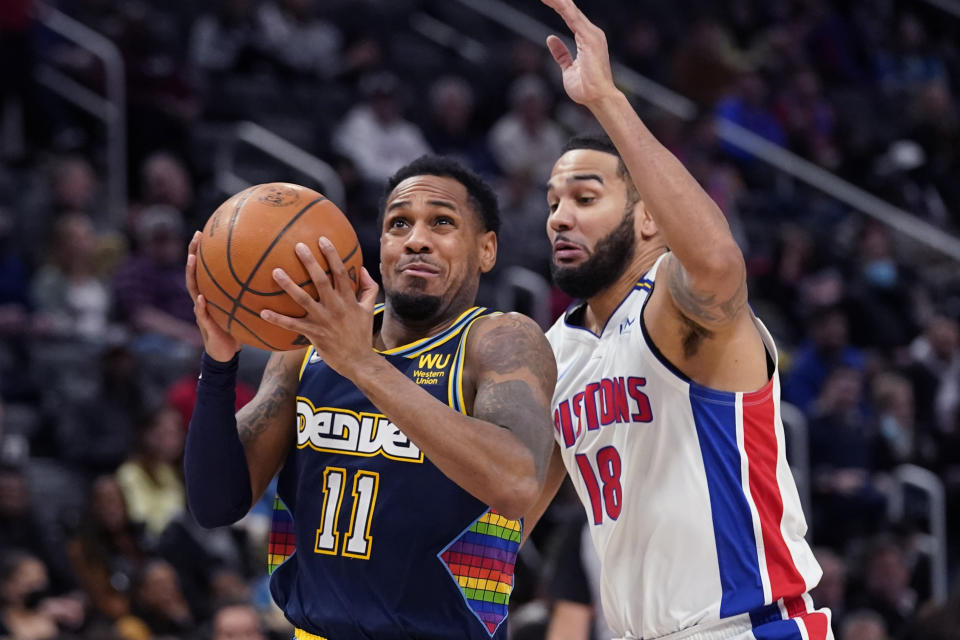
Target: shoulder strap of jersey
[455, 379]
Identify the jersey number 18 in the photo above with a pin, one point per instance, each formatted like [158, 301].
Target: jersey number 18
[607, 494]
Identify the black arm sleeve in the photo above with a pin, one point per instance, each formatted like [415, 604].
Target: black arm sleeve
[214, 462]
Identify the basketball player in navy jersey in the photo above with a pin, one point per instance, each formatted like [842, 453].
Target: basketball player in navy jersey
[666, 409]
[409, 438]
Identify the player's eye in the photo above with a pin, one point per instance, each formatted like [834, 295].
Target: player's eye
[397, 223]
[443, 220]
[585, 200]
[553, 206]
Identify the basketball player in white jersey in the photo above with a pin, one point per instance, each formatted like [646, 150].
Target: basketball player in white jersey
[666, 408]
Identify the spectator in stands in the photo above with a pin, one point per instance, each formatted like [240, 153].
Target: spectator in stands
[901, 439]
[931, 190]
[148, 287]
[374, 134]
[909, 63]
[151, 480]
[779, 280]
[748, 105]
[237, 621]
[881, 293]
[642, 51]
[107, 551]
[864, 625]
[67, 291]
[74, 185]
[18, 526]
[228, 40]
[706, 63]
[808, 119]
[525, 139]
[886, 582]
[845, 501]
[96, 432]
[521, 201]
[28, 611]
[452, 131]
[299, 40]
[159, 602]
[934, 370]
[941, 622]
[826, 348]
[165, 180]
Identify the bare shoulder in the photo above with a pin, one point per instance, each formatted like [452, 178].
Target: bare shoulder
[711, 304]
[706, 330]
[511, 342]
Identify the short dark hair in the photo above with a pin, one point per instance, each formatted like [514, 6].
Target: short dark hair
[603, 143]
[479, 194]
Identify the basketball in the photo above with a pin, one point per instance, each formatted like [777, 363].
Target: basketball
[251, 234]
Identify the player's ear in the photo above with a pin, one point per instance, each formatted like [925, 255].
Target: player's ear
[487, 246]
[643, 221]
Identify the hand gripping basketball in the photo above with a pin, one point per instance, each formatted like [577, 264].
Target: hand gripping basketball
[247, 237]
[338, 323]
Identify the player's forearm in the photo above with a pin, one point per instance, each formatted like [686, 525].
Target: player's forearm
[556, 472]
[486, 460]
[691, 222]
[215, 466]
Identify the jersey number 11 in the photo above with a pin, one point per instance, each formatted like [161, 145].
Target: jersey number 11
[358, 540]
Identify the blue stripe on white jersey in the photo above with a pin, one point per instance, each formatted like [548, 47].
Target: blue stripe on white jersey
[714, 414]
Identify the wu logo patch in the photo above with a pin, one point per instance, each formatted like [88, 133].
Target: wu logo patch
[434, 361]
[431, 369]
[626, 326]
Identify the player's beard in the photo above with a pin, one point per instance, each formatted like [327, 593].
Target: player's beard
[414, 306]
[609, 258]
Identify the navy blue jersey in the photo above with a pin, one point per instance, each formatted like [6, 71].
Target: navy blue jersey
[386, 545]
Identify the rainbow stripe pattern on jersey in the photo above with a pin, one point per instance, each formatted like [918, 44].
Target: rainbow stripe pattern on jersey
[282, 537]
[481, 562]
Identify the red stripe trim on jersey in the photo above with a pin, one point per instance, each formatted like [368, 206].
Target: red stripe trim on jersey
[760, 446]
[795, 607]
[817, 624]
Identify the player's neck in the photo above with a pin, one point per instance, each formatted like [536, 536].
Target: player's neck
[601, 306]
[397, 331]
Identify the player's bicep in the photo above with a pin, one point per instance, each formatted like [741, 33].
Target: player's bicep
[516, 374]
[710, 300]
[266, 424]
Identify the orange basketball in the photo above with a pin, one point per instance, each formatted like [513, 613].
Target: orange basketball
[254, 232]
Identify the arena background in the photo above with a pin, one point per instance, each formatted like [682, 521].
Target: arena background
[827, 131]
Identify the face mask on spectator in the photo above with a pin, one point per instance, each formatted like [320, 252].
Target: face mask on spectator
[881, 273]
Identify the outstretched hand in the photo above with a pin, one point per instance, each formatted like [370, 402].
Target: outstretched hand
[338, 323]
[587, 78]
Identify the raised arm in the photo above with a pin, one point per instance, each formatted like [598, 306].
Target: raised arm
[499, 452]
[706, 274]
[230, 459]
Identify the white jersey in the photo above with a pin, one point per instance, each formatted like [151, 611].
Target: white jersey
[694, 512]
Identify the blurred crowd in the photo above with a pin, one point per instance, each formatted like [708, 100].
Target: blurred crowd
[99, 352]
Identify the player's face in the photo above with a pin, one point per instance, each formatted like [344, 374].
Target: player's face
[432, 248]
[591, 222]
